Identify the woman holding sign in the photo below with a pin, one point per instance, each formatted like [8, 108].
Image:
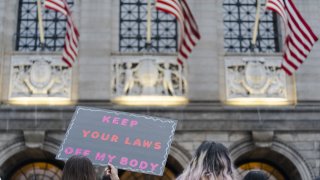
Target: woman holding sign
[78, 168]
[210, 162]
[81, 168]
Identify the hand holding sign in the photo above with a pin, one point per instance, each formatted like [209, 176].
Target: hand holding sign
[111, 173]
[128, 141]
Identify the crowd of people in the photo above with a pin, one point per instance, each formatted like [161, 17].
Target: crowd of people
[211, 161]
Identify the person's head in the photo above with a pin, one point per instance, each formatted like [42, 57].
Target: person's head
[255, 175]
[317, 178]
[210, 162]
[78, 168]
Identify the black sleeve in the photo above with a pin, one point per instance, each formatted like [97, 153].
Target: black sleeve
[106, 177]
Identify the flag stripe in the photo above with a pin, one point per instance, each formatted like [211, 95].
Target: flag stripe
[277, 8]
[189, 31]
[296, 49]
[56, 6]
[294, 11]
[172, 7]
[287, 58]
[70, 50]
[287, 68]
[299, 38]
[296, 36]
[297, 27]
[190, 19]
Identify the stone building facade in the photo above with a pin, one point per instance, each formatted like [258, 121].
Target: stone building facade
[268, 120]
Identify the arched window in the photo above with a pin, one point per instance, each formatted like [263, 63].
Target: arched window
[272, 172]
[133, 28]
[37, 171]
[28, 38]
[239, 18]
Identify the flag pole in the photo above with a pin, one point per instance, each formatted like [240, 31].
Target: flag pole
[256, 25]
[40, 23]
[148, 42]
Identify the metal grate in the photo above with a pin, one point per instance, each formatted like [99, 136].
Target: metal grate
[38, 171]
[28, 38]
[239, 17]
[133, 27]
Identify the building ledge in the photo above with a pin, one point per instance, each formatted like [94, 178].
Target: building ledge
[196, 116]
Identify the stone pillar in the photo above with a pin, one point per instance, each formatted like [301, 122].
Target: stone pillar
[9, 21]
[95, 49]
[2, 10]
[203, 73]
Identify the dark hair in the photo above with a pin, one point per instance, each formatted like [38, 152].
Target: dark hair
[106, 177]
[211, 160]
[255, 175]
[317, 178]
[78, 168]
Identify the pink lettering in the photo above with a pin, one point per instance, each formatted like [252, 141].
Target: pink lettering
[133, 163]
[111, 157]
[85, 133]
[115, 120]
[143, 165]
[114, 138]
[133, 123]
[127, 141]
[86, 152]
[105, 137]
[124, 161]
[68, 150]
[95, 135]
[119, 121]
[137, 142]
[100, 156]
[147, 143]
[124, 122]
[106, 119]
[153, 166]
[157, 145]
[78, 151]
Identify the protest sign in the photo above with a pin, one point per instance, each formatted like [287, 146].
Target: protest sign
[129, 141]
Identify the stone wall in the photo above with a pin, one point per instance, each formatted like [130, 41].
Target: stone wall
[205, 118]
[306, 77]
[99, 28]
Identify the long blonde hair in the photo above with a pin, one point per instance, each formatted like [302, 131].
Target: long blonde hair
[210, 162]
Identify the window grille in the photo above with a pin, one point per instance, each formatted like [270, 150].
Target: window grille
[54, 24]
[133, 28]
[239, 18]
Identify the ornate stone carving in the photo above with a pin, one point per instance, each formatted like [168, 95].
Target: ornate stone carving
[147, 75]
[254, 77]
[39, 76]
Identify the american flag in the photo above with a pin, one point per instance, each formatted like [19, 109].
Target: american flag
[189, 32]
[70, 50]
[299, 38]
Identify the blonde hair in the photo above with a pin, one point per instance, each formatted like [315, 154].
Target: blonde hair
[210, 162]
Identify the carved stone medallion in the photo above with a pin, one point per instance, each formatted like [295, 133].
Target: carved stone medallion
[40, 74]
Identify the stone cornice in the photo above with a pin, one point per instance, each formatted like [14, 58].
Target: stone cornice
[197, 116]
